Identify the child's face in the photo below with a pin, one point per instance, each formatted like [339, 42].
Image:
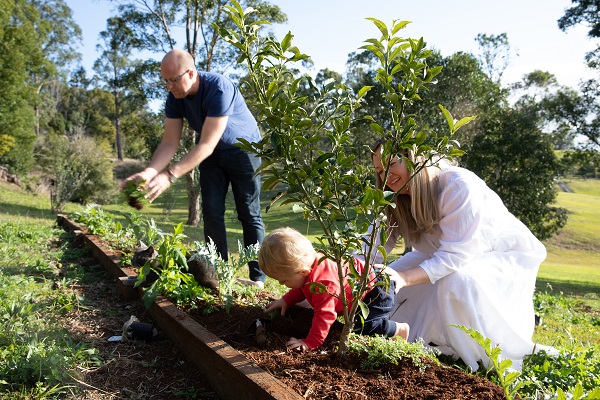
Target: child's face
[293, 280]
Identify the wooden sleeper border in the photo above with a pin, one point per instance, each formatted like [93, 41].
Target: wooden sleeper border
[230, 374]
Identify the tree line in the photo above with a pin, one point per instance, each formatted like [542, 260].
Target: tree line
[63, 124]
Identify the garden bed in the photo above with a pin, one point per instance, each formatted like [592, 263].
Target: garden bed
[223, 346]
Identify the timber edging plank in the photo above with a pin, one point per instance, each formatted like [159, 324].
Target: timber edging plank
[230, 374]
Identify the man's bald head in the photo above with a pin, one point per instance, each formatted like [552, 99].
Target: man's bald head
[178, 59]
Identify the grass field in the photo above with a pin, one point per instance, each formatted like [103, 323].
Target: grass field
[568, 285]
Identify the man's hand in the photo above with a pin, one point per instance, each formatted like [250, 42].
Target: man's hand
[144, 176]
[156, 186]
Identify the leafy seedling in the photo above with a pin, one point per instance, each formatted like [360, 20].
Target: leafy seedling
[134, 196]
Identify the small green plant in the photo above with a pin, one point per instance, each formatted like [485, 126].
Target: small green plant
[227, 271]
[134, 195]
[573, 369]
[143, 229]
[507, 379]
[170, 266]
[376, 351]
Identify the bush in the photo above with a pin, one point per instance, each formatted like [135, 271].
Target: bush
[80, 170]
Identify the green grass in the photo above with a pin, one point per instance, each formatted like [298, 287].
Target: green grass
[573, 268]
[38, 357]
[568, 285]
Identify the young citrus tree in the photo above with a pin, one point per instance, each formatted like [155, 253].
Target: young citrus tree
[307, 133]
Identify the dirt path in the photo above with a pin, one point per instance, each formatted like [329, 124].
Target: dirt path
[134, 369]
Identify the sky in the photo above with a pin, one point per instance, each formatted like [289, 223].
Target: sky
[328, 30]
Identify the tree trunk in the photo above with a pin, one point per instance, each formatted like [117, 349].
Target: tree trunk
[190, 138]
[193, 192]
[118, 139]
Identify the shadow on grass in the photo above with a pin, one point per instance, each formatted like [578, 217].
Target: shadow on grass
[26, 211]
[567, 287]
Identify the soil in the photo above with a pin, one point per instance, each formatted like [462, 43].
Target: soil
[320, 375]
[130, 369]
[156, 369]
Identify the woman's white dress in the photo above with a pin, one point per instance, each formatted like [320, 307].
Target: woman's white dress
[482, 263]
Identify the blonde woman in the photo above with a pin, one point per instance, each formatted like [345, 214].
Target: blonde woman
[473, 263]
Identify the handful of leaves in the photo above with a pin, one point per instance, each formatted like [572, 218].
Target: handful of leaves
[134, 196]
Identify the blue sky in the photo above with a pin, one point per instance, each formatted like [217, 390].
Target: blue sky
[328, 30]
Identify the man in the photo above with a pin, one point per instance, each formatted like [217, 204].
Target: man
[214, 107]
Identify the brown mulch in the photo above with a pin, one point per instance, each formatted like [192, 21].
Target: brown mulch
[319, 375]
[156, 369]
[130, 369]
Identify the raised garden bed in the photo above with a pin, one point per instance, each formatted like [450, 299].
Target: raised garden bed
[238, 368]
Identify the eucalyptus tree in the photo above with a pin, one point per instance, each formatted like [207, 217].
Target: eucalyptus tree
[577, 113]
[113, 65]
[58, 38]
[584, 11]
[495, 54]
[324, 182]
[19, 54]
[161, 25]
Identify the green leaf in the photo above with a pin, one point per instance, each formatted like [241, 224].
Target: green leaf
[464, 121]
[364, 309]
[381, 26]
[363, 91]
[377, 128]
[287, 41]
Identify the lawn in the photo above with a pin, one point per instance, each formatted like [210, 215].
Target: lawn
[568, 285]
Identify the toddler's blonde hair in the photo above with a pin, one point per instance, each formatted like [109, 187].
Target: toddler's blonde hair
[285, 251]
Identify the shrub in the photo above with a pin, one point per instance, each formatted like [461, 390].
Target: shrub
[79, 169]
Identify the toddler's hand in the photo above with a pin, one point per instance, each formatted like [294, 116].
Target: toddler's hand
[297, 344]
[277, 304]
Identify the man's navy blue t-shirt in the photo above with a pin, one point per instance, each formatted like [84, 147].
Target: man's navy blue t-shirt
[217, 96]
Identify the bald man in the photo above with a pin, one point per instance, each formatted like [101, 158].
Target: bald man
[215, 108]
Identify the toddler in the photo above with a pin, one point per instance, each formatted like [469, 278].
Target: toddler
[289, 257]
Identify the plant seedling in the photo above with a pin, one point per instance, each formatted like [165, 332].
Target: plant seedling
[134, 195]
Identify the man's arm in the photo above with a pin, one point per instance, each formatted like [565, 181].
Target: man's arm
[162, 155]
[212, 131]
[168, 145]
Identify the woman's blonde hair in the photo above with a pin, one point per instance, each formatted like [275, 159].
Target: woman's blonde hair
[416, 212]
[284, 251]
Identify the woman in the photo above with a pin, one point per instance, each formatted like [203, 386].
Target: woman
[473, 263]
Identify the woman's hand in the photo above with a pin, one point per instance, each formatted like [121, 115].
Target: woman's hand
[297, 344]
[396, 278]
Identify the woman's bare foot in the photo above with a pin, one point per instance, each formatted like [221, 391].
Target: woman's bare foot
[402, 330]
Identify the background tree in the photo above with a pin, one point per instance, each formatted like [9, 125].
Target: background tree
[577, 114]
[19, 54]
[58, 35]
[113, 64]
[584, 11]
[495, 54]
